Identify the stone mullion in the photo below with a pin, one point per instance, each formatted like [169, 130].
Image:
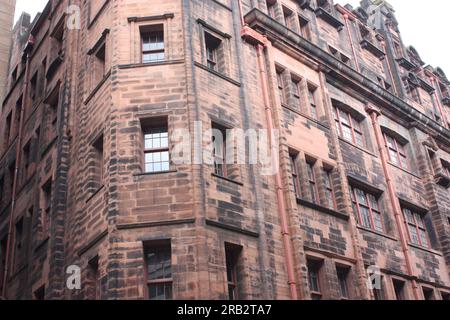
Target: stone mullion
[346, 204]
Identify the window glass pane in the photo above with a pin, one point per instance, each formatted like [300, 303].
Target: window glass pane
[365, 215]
[409, 216]
[413, 234]
[393, 157]
[345, 119]
[377, 221]
[359, 139]
[361, 197]
[423, 238]
[160, 291]
[347, 133]
[159, 265]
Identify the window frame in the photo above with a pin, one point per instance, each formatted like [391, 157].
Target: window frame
[314, 269]
[146, 30]
[343, 273]
[328, 187]
[312, 181]
[400, 152]
[152, 248]
[232, 256]
[281, 85]
[419, 226]
[357, 205]
[351, 126]
[154, 126]
[223, 171]
[295, 174]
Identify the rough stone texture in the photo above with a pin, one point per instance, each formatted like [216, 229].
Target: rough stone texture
[110, 219]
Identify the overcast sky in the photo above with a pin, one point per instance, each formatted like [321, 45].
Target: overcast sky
[425, 25]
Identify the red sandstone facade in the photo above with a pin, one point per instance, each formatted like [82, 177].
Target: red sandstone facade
[364, 154]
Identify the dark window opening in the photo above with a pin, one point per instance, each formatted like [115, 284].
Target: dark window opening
[100, 64]
[46, 205]
[98, 162]
[26, 161]
[232, 256]
[18, 244]
[14, 76]
[399, 289]
[213, 51]
[428, 293]
[153, 47]
[94, 279]
[329, 190]
[7, 132]
[295, 175]
[314, 269]
[312, 181]
[39, 294]
[159, 270]
[289, 20]
[271, 8]
[305, 30]
[33, 87]
[343, 274]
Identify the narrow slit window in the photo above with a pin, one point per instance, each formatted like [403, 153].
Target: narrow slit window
[314, 191]
[213, 48]
[232, 256]
[219, 137]
[314, 269]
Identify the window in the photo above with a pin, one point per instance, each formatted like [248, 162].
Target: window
[52, 115]
[153, 48]
[26, 161]
[14, 76]
[367, 209]
[329, 191]
[348, 127]
[289, 20]
[219, 136]
[342, 274]
[445, 168]
[412, 91]
[156, 145]
[94, 284]
[159, 270]
[280, 84]
[314, 192]
[397, 50]
[39, 294]
[396, 152]
[416, 228]
[305, 30]
[271, 8]
[378, 293]
[17, 116]
[46, 205]
[314, 267]
[100, 64]
[232, 254]
[18, 244]
[445, 296]
[33, 87]
[97, 162]
[399, 289]
[7, 132]
[295, 176]
[296, 93]
[312, 102]
[212, 47]
[428, 293]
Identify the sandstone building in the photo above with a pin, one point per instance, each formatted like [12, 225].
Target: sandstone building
[6, 20]
[87, 177]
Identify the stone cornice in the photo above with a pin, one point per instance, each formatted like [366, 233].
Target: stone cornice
[288, 38]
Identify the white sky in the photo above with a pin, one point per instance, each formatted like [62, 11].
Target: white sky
[425, 25]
